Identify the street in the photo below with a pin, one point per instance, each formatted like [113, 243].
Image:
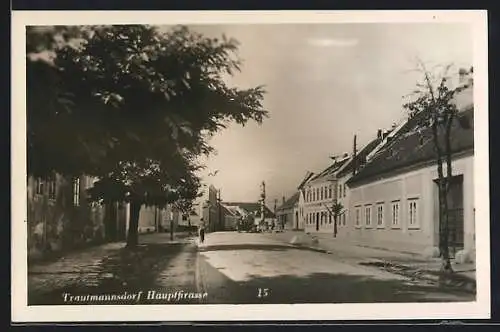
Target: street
[229, 268]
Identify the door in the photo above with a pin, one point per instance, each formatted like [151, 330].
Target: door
[317, 221]
[455, 215]
[296, 220]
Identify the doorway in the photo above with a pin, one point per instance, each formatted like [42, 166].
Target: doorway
[317, 221]
[296, 220]
[455, 215]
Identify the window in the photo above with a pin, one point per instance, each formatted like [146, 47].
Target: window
[330, 192]
[52, 187]
[184, 218]
[314, 195]
[413, 213]
[329, 218]
[339, 191]
[380, 215]
[317, 194]
[76, 191]
[357, 221]
[344, 219]
[321, 193]
[345, 187]
[395, 214]
[39, 186]
[368, 216]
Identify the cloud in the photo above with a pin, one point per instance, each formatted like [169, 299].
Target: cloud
[330, 42]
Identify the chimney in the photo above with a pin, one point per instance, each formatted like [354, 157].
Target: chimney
[379, 134]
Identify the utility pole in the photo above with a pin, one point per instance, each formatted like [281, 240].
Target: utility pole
[219, 202]
[263, 202]
[354, 158]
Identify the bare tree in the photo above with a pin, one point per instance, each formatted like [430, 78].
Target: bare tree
[335, 211]
[434, 110]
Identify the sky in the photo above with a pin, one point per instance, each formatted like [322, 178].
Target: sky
[325, 83]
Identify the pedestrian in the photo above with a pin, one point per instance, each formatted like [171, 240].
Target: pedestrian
[202, 233]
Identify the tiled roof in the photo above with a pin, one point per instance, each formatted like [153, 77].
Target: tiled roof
[411, 147]
[253, 208]
[290, 202]
[330, 169]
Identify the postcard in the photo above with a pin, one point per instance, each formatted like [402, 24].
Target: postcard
[244, 166]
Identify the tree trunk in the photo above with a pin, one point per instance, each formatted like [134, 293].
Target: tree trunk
[334, 226]
[443, 207]
[133, 234]
[171, 230]
[446, 267]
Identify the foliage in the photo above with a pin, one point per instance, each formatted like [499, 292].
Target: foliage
[131, 105]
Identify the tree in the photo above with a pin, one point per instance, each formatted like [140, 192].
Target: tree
[335, 211]
[135, 107]
[435, 111]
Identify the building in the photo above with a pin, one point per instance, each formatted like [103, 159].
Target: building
[252, 211]
[231, 218]
[394, 198]
[320, 195]
[211, 210]
[355, 162]
[302, 199]
[61, 217]
[287, 214]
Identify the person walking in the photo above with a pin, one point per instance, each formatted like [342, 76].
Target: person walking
[202, 233]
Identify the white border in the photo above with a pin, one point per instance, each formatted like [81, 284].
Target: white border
[22, 313]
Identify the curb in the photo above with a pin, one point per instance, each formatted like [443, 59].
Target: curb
[316, 249]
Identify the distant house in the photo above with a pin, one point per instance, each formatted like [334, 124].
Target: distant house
[394, 198]
[302, 199]
[231, 218]
[320, 194]
[253, 210]
[287, 214]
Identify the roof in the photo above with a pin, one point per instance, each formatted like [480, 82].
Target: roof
[360, 156]
[308, 176]
[330, 169]
[226, 211]
[251, 207]
[413, 147]
[290, 202]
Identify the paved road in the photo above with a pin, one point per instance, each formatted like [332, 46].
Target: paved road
[228, 268]
[254, 268]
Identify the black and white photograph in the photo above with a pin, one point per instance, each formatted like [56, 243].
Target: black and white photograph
[170, 166]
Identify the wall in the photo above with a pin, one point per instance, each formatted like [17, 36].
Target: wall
[55, 223]
[149, 218]
[417, 184]
[314, 205]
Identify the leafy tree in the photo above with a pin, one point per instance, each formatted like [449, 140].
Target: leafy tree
[134, 106]
[435, 111]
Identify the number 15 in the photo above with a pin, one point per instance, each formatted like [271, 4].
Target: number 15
[263, 292]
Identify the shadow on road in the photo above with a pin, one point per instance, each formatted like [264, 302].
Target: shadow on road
[126, 270]
[252, 246]
[321, 288]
